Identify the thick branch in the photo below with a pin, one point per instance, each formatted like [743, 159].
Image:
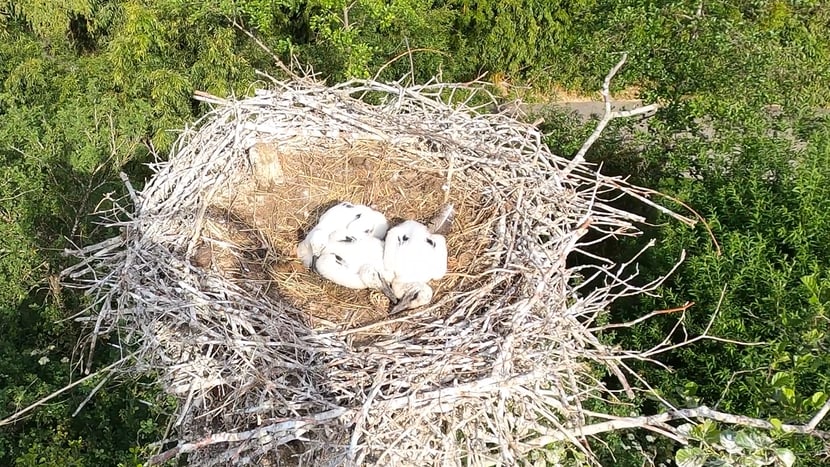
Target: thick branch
[700, 412]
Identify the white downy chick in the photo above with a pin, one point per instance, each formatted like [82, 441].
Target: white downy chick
[354, 262]
[359, 220]
[367, 221]
[412, 257]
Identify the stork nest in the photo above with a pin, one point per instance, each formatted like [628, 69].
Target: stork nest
[272, 364]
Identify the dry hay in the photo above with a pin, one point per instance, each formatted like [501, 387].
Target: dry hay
[271, 364]
[310, 180]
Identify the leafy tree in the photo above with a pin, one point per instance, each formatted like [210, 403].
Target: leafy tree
[763, 193]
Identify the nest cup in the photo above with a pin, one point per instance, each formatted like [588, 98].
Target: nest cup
[287, 187]
[271, 363]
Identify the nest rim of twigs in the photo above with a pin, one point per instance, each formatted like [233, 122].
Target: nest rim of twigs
[226, 350]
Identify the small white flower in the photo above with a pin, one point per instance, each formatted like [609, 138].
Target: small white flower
[43, 360]
[65, 360]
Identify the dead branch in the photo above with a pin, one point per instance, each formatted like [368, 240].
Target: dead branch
[16, 416]
[609, 115]
[818, 417]
[627, 324]
[703, 412]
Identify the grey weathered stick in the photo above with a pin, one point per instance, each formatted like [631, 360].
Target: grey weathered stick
[685, 414]
[609, 115]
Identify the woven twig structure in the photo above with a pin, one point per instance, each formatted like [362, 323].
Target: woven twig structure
[494, 369]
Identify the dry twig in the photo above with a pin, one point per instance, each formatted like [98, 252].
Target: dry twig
[609, 115]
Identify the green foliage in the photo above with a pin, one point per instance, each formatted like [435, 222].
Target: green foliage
[48, 19]
[89, 88]
[557, 454]
[711, 446]
[541, 29]
[764, 194]
[346, 39]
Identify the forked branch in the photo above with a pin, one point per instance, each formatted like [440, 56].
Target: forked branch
[609, 115]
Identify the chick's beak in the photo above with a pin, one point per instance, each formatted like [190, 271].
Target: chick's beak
[402, 304]
[387, 290]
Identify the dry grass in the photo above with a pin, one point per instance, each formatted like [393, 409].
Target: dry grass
[271, 364]
[314, 179]
[546, 92]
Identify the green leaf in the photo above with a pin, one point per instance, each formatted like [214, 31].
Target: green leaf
[776, 423]
[782, 379]
[706, 432]
[785, 456]
[811, 283]
[789, 395]
[727, 440]
[690, 457]
[745, 441]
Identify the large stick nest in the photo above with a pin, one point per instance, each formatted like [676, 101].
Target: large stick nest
[271, 362]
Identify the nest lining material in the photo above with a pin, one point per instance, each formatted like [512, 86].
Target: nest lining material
[278, 364]
[309, 181]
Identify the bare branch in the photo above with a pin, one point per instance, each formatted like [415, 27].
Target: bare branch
[264, 47]
[685, 307]
[683, 414]
[15, 416]
[90, 395]
[609, 115]
[819, 416]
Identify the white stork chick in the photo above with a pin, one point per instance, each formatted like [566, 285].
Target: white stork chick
[354, 262]
[336, 217]
[367, 221]
[412, 257]
[359, 220]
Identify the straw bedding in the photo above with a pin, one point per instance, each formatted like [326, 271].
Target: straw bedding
[273, 365]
